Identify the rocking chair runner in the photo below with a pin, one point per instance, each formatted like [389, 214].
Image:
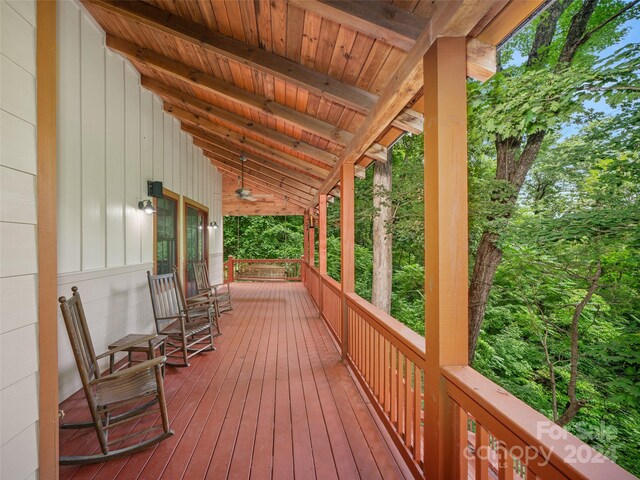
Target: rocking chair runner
[114, 398]
[221, 292]
[188, 323]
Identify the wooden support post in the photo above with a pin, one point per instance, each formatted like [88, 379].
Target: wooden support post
[347, 239]
[322, 237]
[446, 238]
[311, 240]
[230, 269]
[46, 232]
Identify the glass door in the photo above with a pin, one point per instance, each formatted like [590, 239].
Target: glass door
[166, 234]
[196, 221]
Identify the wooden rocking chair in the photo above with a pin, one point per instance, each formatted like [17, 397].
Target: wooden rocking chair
[221, 292]
[114, 398]
[188, 323]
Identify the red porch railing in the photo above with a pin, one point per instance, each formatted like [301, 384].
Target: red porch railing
[492, 434]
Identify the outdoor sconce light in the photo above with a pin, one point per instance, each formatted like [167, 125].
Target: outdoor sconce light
[213, 226]
[146, 206]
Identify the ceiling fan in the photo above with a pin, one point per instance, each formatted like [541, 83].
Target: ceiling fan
[244, 193]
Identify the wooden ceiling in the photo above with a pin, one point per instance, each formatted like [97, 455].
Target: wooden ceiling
[298, 86]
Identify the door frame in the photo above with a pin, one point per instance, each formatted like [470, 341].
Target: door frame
[193, 204]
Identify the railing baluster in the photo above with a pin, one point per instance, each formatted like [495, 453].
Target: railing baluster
[408, 404]
[481, 452]
[417, 412]
[505, 462]
[401, 391]
[460, 440]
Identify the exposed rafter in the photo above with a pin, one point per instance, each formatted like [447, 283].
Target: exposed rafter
[213, 144]
[251, 56]
[449, 18]
[254, 57]
[376, 152]
[399, 28]
[241, 141]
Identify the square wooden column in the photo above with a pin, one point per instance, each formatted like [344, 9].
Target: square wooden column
[322, 235]
[347, 240]
[446, 239]
[312, 241]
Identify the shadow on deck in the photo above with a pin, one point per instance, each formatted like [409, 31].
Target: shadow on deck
[274, 401]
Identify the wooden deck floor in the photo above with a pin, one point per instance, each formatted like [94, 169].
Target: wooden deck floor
[274, 401]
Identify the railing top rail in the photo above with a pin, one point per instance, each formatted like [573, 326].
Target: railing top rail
[394, 328]
[479, 395]
[332, 284]
[267, 260]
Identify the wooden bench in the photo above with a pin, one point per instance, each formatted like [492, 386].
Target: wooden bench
[257, 272]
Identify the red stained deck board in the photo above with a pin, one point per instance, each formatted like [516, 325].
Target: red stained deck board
[273, 401]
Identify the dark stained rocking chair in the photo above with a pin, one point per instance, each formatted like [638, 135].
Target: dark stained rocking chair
[221, 292]
[190, 324]
[114, 398]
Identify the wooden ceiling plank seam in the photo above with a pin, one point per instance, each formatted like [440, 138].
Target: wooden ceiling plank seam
[240, 140]
[276, 65]
[455, 19]
[263, 16]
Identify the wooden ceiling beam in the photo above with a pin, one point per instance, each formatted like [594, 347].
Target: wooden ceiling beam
[376, 151]
[397, 27]
[174, 97]
[242, 142]
[249, 55]
[256, 170]
[449, 18]
[252, 180]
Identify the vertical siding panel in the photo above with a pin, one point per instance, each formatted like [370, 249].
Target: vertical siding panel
[93, 146]
[158, 131]
[175, 159]
[132, 165]
[189, 191]
[69, 139]
[147, 155]
[168, 150]
[183, 162]
[115, 159]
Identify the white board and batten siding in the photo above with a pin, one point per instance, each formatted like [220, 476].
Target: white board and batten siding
[113, 136]
[18, 260]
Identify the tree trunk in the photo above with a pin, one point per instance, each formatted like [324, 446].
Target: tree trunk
[515, 156]
[574, 404]
[382, 237]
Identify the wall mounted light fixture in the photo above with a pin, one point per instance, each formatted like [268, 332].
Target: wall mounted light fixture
[213, 226]
[146, 206]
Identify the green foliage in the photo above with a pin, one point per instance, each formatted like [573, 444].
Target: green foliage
[263, 237]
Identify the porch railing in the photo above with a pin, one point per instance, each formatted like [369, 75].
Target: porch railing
[492, 434]
[263, 269]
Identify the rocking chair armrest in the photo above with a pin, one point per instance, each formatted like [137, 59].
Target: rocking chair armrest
[199, 301]
[133, 370]
[127, 345]
[221, 285]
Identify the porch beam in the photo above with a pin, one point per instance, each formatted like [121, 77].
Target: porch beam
[375, 152]
[397, 27]
[312, 240]
[449, 18]
[446, 240]
[211, 41]
[260, 180]
[256, 171]
[243, 142]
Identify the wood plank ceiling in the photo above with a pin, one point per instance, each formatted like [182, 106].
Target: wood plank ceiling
[291, 83]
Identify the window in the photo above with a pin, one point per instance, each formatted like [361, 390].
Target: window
[196, 231]
[166, 234]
